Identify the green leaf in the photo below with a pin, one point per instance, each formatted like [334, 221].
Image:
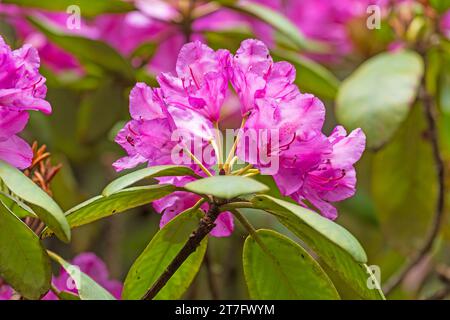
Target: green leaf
[226, 187]
[276, 267]
[20, 209]
[87, 288]
[24, 263]
[337, 248]
[44, 206]
[377, 97]
[278, 22]
[89, 8]
[311, 76]
[87, 50]
[160, 252]
[404, 185]
[145, 51]
[146, 173]
[312, 224]
[440, 5]
[101, 207]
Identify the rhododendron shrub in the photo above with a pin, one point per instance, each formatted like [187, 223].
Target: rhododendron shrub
[313, 167]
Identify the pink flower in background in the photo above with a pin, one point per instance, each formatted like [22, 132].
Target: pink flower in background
[254, 76]
[89, 264]
[311, 166]
[95, 268]
[148, 138]
[6, 292]
[22, 89]
[53, 56]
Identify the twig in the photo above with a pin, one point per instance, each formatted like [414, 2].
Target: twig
[428, 104]
[213, 287]
[187, 22]
[207, 223]
[444, 275]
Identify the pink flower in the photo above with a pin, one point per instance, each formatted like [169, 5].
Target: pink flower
[150, 138]
[254, 76]
[95, 268]
[157, 128]
[201, 83]
[295, 123]
[22, 88]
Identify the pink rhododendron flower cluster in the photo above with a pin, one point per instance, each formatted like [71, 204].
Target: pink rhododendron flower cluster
[22, 88]
[89, 264]
[312, 166]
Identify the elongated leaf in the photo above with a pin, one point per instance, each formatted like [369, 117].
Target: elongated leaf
[377, 97]
[277, 21]
[20, 209]
[226, 187]
[163, 248]
[44, 206]
[87, 50]
[276, 267]
[100, 207]
[88, 8]
[404, 185]
[337, 248]
[151, 172]
[87, 288]
[312, 224]
[354, 274]
[311, 76]
[24, 263]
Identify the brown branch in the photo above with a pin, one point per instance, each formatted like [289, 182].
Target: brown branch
[443, 273]
[429, 108]
[186, 24]
[207, 223]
